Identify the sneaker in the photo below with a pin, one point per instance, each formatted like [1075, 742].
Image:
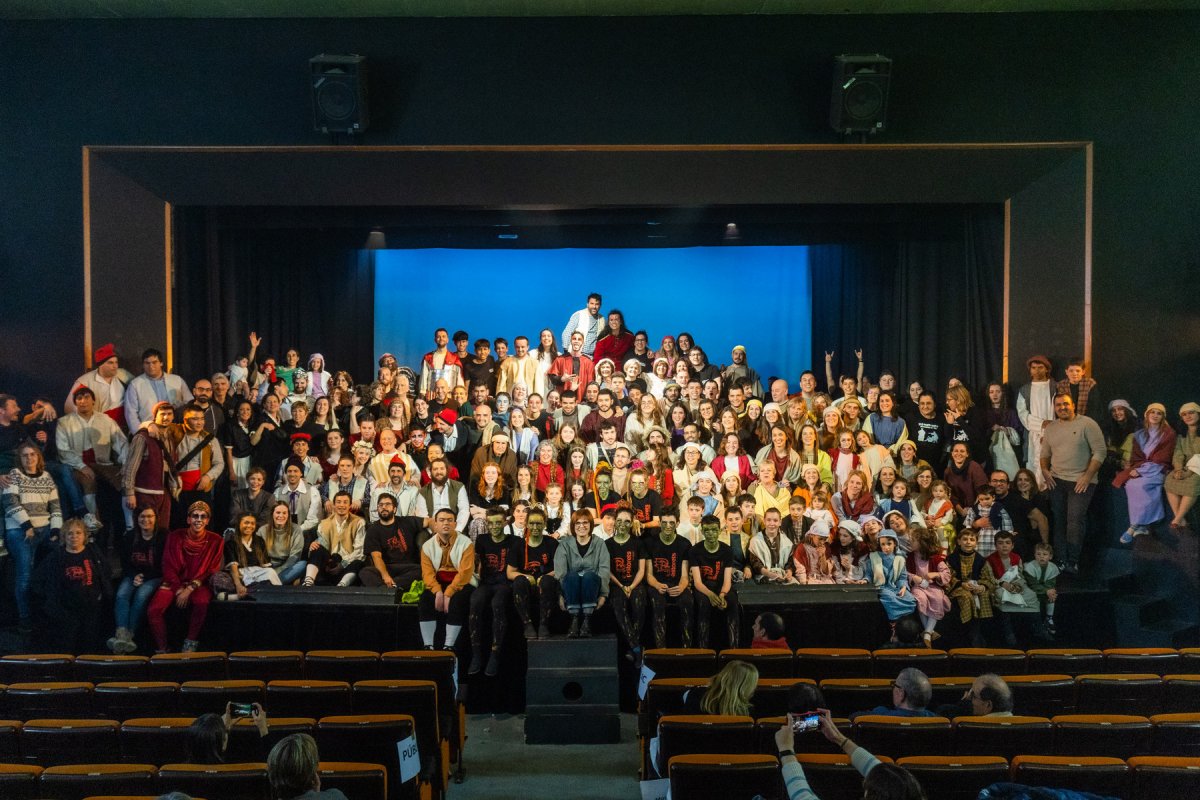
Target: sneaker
[573, 631]
[428, 647]
[91, 523]
[493, 664]
[114, 645]
[1127, 536]
[1141, 530]
[1050, 629]
[126, 647]
[309, 582]
[189, 646]
[222, 597]
[530, 632]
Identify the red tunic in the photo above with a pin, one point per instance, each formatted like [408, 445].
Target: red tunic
[186, 560]
[614, 347]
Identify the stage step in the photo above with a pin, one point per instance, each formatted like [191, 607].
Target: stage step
[598, 651]
[327, 596]
[576, 724]
[572, 685]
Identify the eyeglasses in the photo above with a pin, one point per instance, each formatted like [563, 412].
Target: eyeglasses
[198, 515]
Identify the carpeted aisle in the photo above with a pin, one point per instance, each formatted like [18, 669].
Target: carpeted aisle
[500, 764]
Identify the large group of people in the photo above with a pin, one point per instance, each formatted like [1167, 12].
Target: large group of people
[588, 470]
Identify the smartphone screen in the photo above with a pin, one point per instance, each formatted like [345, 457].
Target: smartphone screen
[808, 721]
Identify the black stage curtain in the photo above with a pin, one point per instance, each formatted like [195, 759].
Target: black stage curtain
[923, 299]
[309, 289]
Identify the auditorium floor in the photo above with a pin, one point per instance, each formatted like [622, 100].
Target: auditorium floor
[500, 764]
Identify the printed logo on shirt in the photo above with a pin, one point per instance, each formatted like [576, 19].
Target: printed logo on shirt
[496, 562]
[666, 566]
[81, 574]
[623, 566]
[712, 573]
[397, 543]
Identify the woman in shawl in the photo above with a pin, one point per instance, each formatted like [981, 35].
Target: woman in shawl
[1143, 476]
[854, 501]
[1182, 484]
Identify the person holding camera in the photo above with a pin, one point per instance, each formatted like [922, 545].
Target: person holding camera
[208, 736]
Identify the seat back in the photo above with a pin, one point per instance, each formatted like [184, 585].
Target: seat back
[681, 662]
[975, 661]
[949, 690]
[1118, 693]
[832, 776]
[1158, 776]
[889, 662]
[266, 665]
[50, 742]
[809, 742]
[1181, 694]
[226, 781]
[308, 698]
[19, 781]
[36, 668]
[664, 696]
[903, 736]
[108, 668]
[79, 781]
[354, 779]
[770, 662]
[1116, 735]
[771, 695]
[371, 738]
[694, 734]
[127, 700]
[1104, 776]
[725, 776]
[848, 695]
[246, 745]
[341, 665]
[155, 740]
[1068, 660]
[1006, 737]
[202, 697]
[1175, 735]
[955, 777]
[417, 699]
[1042, 694]
[820, 663]
[438, 666]
[184, 667]
[10, 742]
[1153, 660]
[51, 699]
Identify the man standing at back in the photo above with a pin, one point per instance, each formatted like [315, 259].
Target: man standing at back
[1073, 450]
[439, 364]
[107, 382]
[155, 385]
[586, 321]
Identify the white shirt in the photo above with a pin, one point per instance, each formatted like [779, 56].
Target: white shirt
[99, 434]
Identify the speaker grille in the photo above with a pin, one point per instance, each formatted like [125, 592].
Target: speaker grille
[335, 99]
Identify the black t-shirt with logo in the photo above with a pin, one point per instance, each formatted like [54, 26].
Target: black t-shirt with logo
[396, 541]
[667, 560]
[712, 565]
[623, 558]
[535, 561]
[648, 507]
[81, 577]
[491, 559]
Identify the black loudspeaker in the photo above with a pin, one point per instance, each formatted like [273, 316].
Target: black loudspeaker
[339, 93]
[860, 93]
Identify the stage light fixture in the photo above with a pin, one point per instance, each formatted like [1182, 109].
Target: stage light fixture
[732, 234]
[376, 240]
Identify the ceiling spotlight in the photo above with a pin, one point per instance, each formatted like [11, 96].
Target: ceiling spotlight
[732, 234]
[376, 240]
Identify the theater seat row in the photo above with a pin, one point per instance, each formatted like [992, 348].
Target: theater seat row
[246, 781]
[833, 662]
[945, 777]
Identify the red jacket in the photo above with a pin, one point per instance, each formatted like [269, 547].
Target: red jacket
[184, 561]
[614, 347]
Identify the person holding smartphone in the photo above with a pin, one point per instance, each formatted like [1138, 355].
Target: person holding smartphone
[879, 780]
[208, 736]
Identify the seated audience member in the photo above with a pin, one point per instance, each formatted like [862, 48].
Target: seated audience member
[492, 593]
[531, 570]
[247, 562]
[336, 556]
[191, 556]
[448, 571]
[304, 501]
[582, 567]
[770, 553]
[971, 585]
[987, 518]
[768, 631]
[667, 579]
[1041, 575]
[253, 499]
[908, 635]
[293, 770]
[989, 696]
[68, 592]
[711, 563]
[142, 569]
[911, 693]
[728, 694]
[92, 445]
[393, 547]
[285, 544]
[208, 736]
[32, 519]
[880, 781]
[1012, 594]
[627, 573]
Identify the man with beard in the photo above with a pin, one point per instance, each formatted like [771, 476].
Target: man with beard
[403, 493]
[393, 546]
[442, 493]
[448, 571]
[739, 372]
[572, 371]
[521, 367]
[439, 364]
[571, 411]
[606, 411]
[453, 434]
[1035, 409]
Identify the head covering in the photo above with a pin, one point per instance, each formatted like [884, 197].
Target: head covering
[397, 461]
[362, 444]
[304, 437]
[103, 353]
[895, 511]
[667, 338]
[908, 443]
[741, 347]
[872, 517]
[888, 533]
[313, 358]
[690, 446]
[753, 401]
[500, 436]
[629, 361]
[159, 406]
[820, 529]
[663, 359]
[299, 373]
[203, 506]
[670, 385]
[704, 473]
[623, 446]
[850, 526]
[295, 461]
[810, 468]
[386, 357]
[1156, 407]
[448, 416]
[773, 406]
[1029, 362]
[1123, 404]
[1189, 407]
[608, 508]
[611, 363]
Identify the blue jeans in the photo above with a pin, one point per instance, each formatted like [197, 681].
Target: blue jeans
[22, 551]
[131, 601]
[68, 489]
[580, 591]
[293, 572]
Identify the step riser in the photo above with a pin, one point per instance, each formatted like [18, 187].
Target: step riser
[568, 688]
[563, 653]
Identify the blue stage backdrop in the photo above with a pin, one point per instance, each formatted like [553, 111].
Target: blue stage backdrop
[760, 297]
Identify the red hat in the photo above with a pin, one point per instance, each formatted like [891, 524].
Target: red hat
[609, 508]
[448, 416]
[302, 436]
[103, 353]
[397, 460]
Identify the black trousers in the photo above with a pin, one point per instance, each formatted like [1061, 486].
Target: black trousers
[460, 605]
[328, 573]
[658, 613]
[706, 612]
[496, 596]
[630, 612]
[402, 574]
[545, 595]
